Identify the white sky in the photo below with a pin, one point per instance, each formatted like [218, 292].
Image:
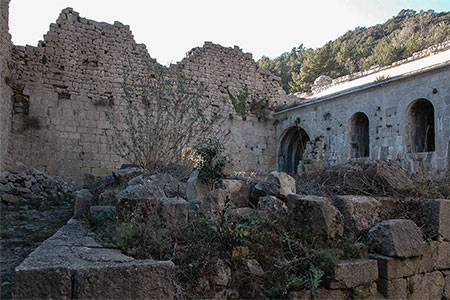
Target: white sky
[170, 28]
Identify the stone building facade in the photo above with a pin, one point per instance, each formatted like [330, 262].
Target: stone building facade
[54, 97]
[399, 113]
[62, 88]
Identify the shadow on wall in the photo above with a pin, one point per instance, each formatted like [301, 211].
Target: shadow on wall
[420, 126]
[291, 150]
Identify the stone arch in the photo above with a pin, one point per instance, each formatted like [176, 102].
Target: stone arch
[359, 135]
[420, 136]
[291, 148]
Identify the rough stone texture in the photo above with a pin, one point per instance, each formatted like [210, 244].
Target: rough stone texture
[391, 268]
[254, 267]
[326, 120]
[394, 288]
[426, 286]
[174, 210]
[280, 184]
[222, 273]
[360, 213]
[353, 273]
[446, 293]
[148, 196]
[239, 192]
[272, 203]
[5, 90]
[321, 294]
[443, 256]
[397, 238]
[71, 265]
[98, 215]
[435, 214]
[83, 201]
[316, 213]
[133, 280]
[195, 189]
[76, 73]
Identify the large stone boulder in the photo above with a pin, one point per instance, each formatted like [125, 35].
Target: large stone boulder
[353, 273]
[174, 211]
[360, 213]
[316, 213]
[397, 238]
[273, 204]
[238, 190]
[435, 217]
[72, 265]
[99, 215]
[83, 201]
[123, 176]
[280, 184]
[146, 196]
[196, 190]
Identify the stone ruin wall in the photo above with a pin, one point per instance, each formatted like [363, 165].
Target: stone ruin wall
[63, 87]
[5, 91]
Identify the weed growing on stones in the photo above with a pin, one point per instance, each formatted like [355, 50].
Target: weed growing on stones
[203, 250]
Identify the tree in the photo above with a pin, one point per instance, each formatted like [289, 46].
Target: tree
[161, 114]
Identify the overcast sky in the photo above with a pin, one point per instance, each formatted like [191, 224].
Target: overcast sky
[170, 28]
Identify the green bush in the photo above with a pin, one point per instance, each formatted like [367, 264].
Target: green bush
[211, 170]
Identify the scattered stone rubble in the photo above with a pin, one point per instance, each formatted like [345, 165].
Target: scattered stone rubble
[402, 266]
[33, 207]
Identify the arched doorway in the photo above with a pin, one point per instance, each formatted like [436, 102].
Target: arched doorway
[420, 126]
[291, 149]
[359, 135]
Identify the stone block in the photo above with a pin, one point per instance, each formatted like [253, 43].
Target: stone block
[443, 256]
[435, 217]
[83, 201]
[239, 192]
[42, 283]
[360, 213]
[133, 280]
[393, 288]
[280, 184]
[397, 238]
[391, 268]
[146, 196]
[353, 273]
[316, 213]
[321, 294]
[195, 189]
[174, 210]
[99, 215]
[446, 293]
[272, 203]
[426, 286]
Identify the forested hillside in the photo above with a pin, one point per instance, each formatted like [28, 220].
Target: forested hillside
[359, 49]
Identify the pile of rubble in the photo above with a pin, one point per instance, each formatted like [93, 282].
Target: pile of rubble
[33, 207]
[32, 187]
[401, 258]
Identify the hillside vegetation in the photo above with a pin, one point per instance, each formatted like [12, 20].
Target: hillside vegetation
[359, 49]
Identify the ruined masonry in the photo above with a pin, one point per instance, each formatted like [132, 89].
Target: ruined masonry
[54, 97]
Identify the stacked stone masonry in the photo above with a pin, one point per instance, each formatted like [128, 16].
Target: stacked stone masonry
[63, 87]
[5, 91]
[405, 120]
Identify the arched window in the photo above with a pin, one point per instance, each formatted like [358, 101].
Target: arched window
[359, 135]
[420, 126]
[291, 149]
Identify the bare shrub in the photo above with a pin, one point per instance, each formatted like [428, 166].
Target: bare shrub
[161, 114]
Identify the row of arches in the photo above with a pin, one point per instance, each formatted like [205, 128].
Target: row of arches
[420, 136]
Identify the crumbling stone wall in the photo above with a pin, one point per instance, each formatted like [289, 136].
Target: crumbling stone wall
[228, 73]
[5, 91]
[63, 86]
[387, 106]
